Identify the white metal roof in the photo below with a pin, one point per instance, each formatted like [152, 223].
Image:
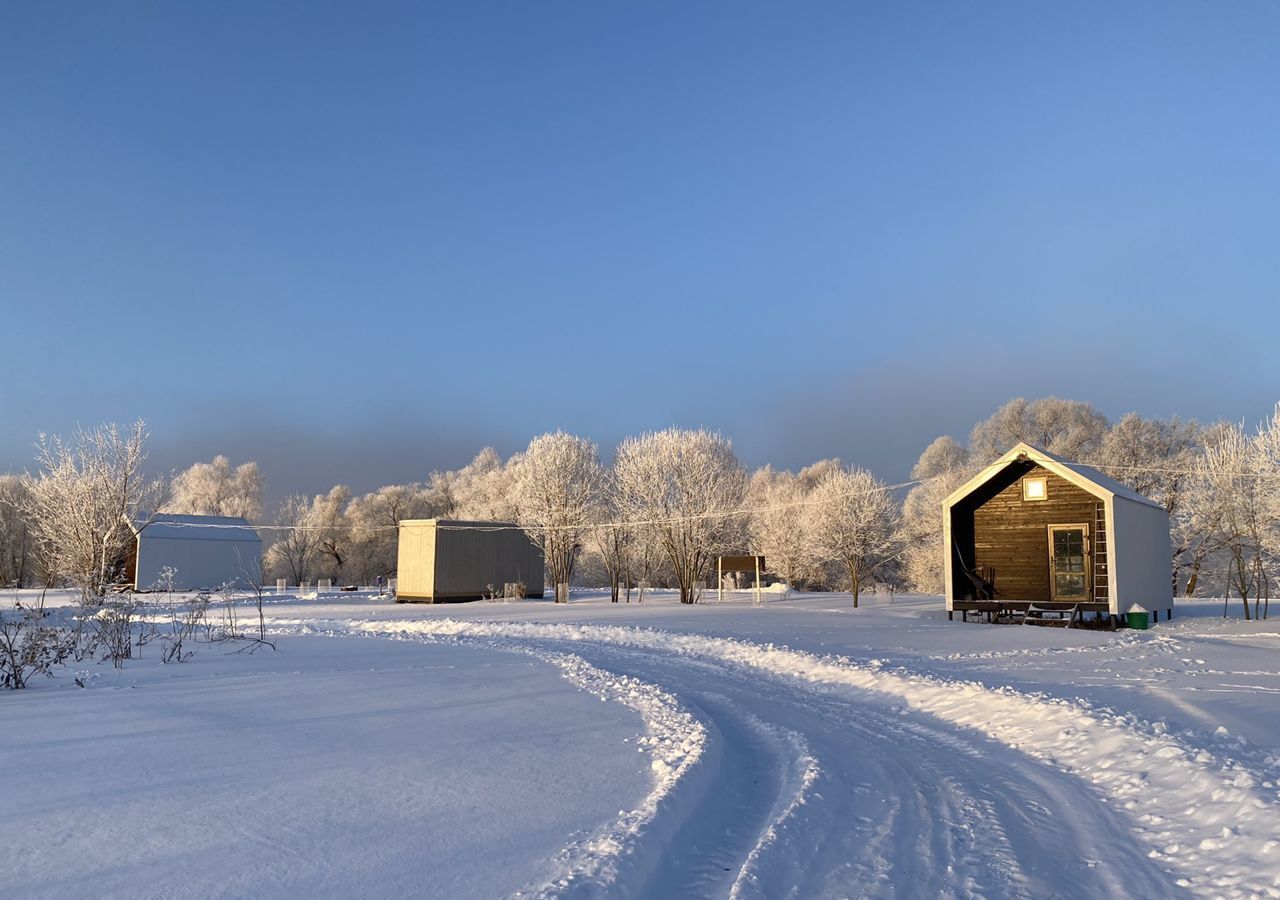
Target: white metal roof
[171, 526]
[1082, 476]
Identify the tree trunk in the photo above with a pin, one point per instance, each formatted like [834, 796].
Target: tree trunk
[1197, 563]
[1242, 585]
[855, 584]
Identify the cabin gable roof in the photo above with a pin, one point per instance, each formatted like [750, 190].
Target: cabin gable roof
[1085, 477]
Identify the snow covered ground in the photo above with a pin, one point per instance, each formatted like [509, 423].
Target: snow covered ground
[802, 748]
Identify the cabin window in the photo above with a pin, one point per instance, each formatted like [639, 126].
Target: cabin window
[1035, 489]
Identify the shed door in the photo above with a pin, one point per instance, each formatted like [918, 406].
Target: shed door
[1068, 562]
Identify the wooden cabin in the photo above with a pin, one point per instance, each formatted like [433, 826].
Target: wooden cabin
[442, 560]
[1034, 531]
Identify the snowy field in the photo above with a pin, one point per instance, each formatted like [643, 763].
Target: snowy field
[798, 749]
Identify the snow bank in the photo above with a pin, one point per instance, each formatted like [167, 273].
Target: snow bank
[674, 740]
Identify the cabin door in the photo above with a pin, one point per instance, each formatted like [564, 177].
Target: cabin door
[1068, 562]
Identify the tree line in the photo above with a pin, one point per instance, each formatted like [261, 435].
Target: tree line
[666, 504]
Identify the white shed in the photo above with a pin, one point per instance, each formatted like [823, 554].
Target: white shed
[1033, 528]
[204, 552]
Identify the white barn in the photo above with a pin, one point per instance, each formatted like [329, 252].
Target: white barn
[1033, 528]
[204, 552]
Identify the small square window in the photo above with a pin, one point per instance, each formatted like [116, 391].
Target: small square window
[1035, 489]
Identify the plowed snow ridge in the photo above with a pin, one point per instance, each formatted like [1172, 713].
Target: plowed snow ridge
[1203, 816]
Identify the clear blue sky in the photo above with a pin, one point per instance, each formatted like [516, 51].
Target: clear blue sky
[357, 242]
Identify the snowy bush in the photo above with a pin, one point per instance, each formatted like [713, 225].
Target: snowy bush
[29, 645]
[113, 626]
[80, 504]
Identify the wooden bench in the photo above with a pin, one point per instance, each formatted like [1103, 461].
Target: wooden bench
[1066, 615]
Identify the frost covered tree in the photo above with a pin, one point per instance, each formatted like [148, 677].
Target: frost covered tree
[614, 545]
[942, 467]
[1231, 506]
[612, 539]
[853, 520]
[1157, 458]
[1068, 428]
[1266, 447]
[779, 525]
[293, 553]
[328, 521]
[687, 488]
[374, 519]
[17, 547]
[813, 474]
[216, 489]
[556, 484]
[482, 489]
[79, 503]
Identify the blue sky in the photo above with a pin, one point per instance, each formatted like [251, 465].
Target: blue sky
[357, 242]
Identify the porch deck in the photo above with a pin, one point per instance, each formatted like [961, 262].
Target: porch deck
[1014, 611]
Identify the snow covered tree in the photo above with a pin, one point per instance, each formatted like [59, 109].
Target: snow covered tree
[612, 539]
[327, 518]
[482, 489]
[1157, 458]
[853, 520]
[17, 547]
[216, 489]
[686, 487]
[1266, 448]
[778, 525]
[556, 483]
[1232, 506]
[815, 473]
[293, 553]
[80, 503]
[942, 467]
[374, 519]
[1068, 428]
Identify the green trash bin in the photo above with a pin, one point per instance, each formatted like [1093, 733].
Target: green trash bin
[1139, 620]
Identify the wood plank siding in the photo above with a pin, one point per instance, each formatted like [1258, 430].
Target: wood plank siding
[1011, 534]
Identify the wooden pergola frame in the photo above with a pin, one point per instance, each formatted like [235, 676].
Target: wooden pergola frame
[738, 564]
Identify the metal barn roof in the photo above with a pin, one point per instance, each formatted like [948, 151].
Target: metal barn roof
[172, 526]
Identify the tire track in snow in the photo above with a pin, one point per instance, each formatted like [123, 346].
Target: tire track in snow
[802, 772]
[887, 815]
[1201, 816]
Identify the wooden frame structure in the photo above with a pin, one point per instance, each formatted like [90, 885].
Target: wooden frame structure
[739, 564]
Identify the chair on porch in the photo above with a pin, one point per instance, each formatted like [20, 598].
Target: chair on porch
[983, 579]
